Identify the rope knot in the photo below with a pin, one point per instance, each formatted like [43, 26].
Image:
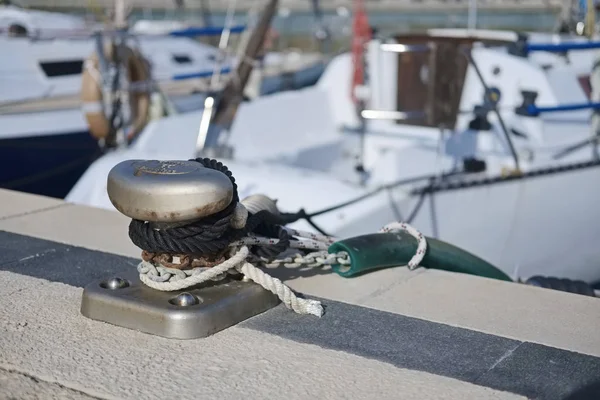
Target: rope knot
[239, 217]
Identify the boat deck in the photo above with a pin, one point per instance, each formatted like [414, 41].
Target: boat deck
[54, 103]
[387, 335]
[185, 87]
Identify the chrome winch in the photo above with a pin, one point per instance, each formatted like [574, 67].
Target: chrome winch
[174, 197]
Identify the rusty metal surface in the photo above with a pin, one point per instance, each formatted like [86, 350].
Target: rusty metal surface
[185, 261]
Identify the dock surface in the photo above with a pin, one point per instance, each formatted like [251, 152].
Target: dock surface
[391, 334]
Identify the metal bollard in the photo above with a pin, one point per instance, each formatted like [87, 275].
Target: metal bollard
[169, 194]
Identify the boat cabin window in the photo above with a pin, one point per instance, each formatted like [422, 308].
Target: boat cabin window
[54, 69]
[431, 81]
[182, 59]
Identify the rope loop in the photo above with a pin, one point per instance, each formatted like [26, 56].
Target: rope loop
[414, 262]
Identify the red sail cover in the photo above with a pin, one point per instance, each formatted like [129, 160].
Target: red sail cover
[361, 34]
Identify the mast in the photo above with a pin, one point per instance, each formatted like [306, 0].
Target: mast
[226, 103]
[361, 35]
[232, 94]
[120, 14]
[567, 18]
[113, 74]
[472, 17]
[205, 10]
[206, 18]
[590, 20]
[322, 34]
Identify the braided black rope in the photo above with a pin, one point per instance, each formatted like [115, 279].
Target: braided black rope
[214, 233]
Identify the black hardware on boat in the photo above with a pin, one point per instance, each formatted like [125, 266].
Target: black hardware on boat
[529, 98]
[463, 184]
[564, 285]
[487, 89]
[473, 165]
[519, 47]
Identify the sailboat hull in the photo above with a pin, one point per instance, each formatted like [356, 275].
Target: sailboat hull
[534, 226]
[47, 165]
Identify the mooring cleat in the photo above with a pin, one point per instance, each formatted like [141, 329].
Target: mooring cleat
[190, 314]
[168, 195]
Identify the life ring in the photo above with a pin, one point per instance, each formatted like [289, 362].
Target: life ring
[138, 70]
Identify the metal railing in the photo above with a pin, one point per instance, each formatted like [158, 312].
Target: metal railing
[302, 4]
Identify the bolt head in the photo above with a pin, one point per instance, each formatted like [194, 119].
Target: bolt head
[116, 283]
[185, 299]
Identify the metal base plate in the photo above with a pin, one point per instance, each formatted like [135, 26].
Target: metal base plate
[136, 306]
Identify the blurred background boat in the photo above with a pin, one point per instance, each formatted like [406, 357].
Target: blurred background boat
[45, 142]
[421, 118]
[474, 136]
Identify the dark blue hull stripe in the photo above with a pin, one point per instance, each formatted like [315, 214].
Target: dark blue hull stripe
[46, 165]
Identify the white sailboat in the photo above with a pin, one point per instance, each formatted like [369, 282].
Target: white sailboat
[44, 136]
[299, 148]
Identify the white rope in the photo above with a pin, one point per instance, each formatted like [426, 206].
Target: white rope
[170, 279]
[421, 242]
[238, 262]
[198, 276]
[259, 202]
[160, 273]
[312, 236]
[239, 217]
[285, 294]
[94, 72]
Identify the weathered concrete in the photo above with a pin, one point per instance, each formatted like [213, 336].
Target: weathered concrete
[16, 385]
[48, 349]
[53, 219]
[520, 312]
[16, 204]
[48, 339]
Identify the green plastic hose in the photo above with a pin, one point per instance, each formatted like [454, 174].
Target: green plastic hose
[384, 250]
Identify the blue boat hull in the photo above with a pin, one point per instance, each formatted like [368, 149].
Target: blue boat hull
[48, 165]
[292, 81]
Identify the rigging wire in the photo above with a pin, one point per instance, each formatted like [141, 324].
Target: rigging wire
[308, 217]
[116, 118]
[223, 42]
[467, 53]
